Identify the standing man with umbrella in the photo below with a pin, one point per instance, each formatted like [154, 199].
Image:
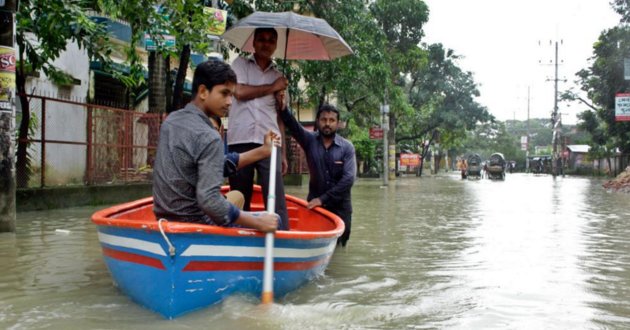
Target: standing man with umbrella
[300, 38]
[284, 35]
[253, 114]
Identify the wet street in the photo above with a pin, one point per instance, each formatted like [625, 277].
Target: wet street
[529, 252]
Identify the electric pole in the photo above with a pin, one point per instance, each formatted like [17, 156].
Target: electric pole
[385, 127]
[527, 139]
[556, 122]
[7, 115]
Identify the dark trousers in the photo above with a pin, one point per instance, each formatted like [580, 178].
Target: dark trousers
[243, 181]
[344, 211]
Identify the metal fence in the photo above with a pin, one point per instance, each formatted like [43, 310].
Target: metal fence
[76, 143]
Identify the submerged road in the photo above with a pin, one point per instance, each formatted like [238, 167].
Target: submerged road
[529, 252]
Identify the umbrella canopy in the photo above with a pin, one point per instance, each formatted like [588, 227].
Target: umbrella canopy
[299, 37]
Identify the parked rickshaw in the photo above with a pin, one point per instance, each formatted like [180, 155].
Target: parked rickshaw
[496, 167]
[474, 166]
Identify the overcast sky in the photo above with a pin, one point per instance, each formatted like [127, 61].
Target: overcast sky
[499, 40]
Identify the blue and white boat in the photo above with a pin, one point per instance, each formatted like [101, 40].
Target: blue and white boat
[174, 268]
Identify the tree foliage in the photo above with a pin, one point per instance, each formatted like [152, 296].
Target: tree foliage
[601, 82]
[429, 95]
[43, 30]
[622, 7]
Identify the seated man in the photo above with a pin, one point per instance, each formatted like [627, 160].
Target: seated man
[189, 164]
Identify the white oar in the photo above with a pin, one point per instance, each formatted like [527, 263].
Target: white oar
[267, 294]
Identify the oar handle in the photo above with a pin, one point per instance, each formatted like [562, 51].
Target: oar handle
[267, 294]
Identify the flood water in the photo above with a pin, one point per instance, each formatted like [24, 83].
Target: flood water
[529, 252]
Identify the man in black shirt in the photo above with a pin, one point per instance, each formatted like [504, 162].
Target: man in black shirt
[331, 162]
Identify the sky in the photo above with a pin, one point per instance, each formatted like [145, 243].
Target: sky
[509, 46]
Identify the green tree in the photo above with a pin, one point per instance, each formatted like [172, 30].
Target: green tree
[402, 23]
[601, 82]
[43, 30]
[622, 7]
[444, 98]
[355, 80]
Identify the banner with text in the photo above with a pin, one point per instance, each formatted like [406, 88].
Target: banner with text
[409, 159]
[622, 107]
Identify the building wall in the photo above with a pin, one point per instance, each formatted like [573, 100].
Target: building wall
[64, 122]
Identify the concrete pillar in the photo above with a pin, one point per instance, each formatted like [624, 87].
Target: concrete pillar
[7, 115]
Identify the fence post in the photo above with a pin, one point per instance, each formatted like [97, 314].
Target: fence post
[43, 158]
[88, 160]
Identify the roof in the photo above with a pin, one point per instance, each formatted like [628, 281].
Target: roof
[581, 148]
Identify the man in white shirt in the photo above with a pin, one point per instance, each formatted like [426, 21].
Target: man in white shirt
[253, 114]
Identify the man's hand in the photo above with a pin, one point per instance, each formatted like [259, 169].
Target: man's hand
[280, 84]
[285, 166]
[314, 202]
[267, 223]
[271, 139]
[281, 100]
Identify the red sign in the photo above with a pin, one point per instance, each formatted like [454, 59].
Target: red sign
[409, 159]
[376, 133]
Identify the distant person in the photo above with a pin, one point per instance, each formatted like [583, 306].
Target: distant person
[190, 164]
[253, 114]
[331, 162]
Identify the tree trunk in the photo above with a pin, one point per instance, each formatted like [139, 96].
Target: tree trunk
[391, 141]
[158, 97]
[178, 90]
[322, 98]
[158, 71]
[610, 169]
[22, 165]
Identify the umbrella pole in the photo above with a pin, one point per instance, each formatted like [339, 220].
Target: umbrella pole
[286, 45]
[267, 294]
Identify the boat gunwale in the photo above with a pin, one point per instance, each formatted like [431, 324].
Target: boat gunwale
[103, 218]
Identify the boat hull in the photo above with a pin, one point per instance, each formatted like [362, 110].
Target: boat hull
[175, 268]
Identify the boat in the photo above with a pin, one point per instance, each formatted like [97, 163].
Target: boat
[174, 268]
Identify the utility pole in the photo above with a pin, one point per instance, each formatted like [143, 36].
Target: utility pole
[7, 115]
[385, 127]
[527, 140]
[555, 119]
[556, 122]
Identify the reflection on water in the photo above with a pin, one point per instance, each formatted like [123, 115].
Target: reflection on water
[436, 252]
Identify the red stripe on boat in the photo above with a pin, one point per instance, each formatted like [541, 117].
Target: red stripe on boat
[132, 257]
[195, 266]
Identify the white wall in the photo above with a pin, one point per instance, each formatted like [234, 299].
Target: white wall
[65, 163]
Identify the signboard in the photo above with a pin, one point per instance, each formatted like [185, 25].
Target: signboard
[163, 39]
[376, 133]
[524, 142]
[7, 77]
[217, 20]
[167, 41]
[626, 68]
[409, 159]
[622, 107]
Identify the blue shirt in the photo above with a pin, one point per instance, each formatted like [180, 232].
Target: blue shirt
[332, 170]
